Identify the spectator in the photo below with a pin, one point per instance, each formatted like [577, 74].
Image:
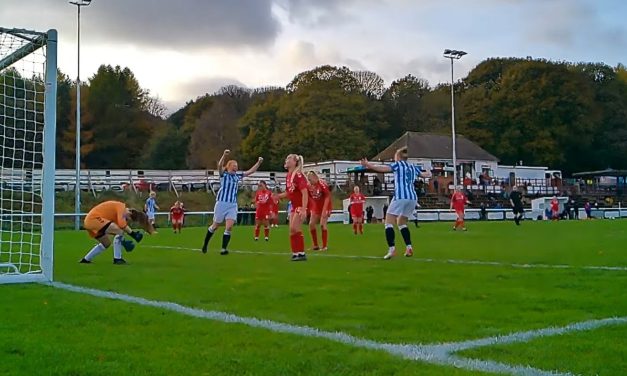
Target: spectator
[575, 209]
[369, 214]
[385, 210]
[588, 209]
[436, 186]
[376, 186]
[483, 214]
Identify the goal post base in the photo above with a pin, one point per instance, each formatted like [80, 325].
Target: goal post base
[23, 278]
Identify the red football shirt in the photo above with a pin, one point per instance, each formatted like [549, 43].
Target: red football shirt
[357, 204]
[263, 200]
[295, 183]
[458, 200]
[555, 205]
[176, 212]
[318, 193]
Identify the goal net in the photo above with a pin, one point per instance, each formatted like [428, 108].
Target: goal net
[28, 77]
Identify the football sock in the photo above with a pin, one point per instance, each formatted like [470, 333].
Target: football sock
[95, 251]
[406, 235]
[389, 235]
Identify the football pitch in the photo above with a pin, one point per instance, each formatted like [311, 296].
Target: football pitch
[539, 299]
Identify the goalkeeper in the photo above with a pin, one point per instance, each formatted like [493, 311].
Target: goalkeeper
[110, 218]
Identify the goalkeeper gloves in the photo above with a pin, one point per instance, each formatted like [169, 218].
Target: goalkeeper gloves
[138, 236]
[128, 245]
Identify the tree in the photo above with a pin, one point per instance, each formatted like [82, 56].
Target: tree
[121, 126]
[342, 75]
[402, 106]
[370, 84]
[215, 130]
[154, 105]
[167, 149]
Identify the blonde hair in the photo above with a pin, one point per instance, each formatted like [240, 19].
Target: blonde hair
[300, 161]
[402, 153]
[314, 173]
[229, 163]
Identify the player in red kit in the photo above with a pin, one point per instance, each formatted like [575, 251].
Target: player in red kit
[555, 208]
[176, 217]
[298, 194]
[458, 203]
[263, 203]
[357, 200]
[320, 208]
[274, 209]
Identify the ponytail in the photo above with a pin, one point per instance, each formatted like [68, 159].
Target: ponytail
[300, 161]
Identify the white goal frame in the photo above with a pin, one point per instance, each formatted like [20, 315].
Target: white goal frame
[35, 41]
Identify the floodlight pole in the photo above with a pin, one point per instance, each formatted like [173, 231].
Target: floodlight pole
[453, 55]
[77, 187]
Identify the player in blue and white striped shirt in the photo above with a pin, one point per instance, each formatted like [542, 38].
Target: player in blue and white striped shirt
[151, 207]
[225, 209]
[404, 201]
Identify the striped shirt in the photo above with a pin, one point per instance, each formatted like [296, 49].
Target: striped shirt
[228, 187]
[405, 175]
[151, 205]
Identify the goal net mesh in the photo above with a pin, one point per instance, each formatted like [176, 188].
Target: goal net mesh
[22, 89]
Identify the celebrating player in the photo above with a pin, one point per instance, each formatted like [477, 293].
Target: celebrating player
[111, 218]
[404, 200]
[515, 199]
[151, 207]
[263, 203]
[458, 203]
[320, 207]
[225, 209]
[298, 195]
[176, 216]
[357, 201]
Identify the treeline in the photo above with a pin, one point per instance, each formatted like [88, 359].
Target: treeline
[567, 116]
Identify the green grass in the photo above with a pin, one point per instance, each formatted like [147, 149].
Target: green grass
[400, 301]
[597, 352]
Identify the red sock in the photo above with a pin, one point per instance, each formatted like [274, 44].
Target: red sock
[461, 223]
[361, 228]
[354, 227]
[298, 242]
[174, 225]
[314, 236]
[293, 243]
[256, 231]
[325, 237]
[266, 231]
[180, 227]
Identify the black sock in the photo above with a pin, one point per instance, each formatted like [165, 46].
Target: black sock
[226, 238]
[406, 236]
[207, 238]
[389, 236]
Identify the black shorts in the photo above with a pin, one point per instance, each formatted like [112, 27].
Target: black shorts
[103, 231]
[518, 209]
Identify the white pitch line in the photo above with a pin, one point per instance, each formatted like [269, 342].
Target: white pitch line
[424, 260]
[440, 354]
[407, 351]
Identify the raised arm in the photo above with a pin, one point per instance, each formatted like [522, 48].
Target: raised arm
[221, 161]
[377, 168]
[255, 167]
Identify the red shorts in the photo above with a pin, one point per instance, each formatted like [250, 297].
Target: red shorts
[317, 209]
[459, 210]
[262, 215]
[177, 219]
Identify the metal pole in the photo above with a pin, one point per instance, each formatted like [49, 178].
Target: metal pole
[453, 126]
[77, 188]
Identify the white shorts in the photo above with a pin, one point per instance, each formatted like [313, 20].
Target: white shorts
[150, 215]
[402, 208]
[223, 211]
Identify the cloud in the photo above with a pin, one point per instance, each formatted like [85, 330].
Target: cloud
[158, 23]
[198, 87]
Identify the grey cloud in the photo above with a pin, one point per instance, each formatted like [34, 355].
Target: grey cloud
[570, 23]
[159, 23]
[196, 88]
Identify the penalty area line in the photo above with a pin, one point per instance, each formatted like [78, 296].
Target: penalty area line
[422, 260]
[442, 355]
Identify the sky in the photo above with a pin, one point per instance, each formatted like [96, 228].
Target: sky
[182, 49]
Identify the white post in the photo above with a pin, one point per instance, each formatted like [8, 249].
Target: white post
[453, 126]
[77, 188]
[50, 126]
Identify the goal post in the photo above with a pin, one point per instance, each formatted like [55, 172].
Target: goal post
[28, 99]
